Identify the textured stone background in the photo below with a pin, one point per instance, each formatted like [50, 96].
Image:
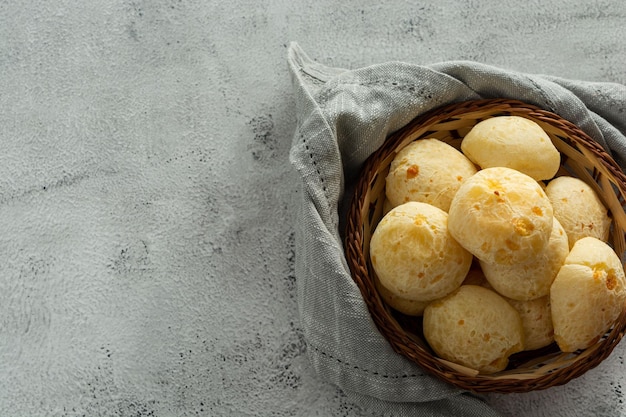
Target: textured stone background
[146, 246]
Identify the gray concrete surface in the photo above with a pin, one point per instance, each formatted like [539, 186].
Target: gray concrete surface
[146, 246]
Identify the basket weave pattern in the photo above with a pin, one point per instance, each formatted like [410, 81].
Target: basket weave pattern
[581, 157]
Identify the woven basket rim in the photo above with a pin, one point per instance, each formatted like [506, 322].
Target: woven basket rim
[403, 342]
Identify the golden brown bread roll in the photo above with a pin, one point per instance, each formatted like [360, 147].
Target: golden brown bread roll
[514, 142]
[474, 327]
[587, 295]
[403, 305]
[532, 278]
[429, 171]
[578, 208]
[501, 216]
[536, 318]
[413, 254]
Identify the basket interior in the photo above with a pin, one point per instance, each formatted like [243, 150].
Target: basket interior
[581, 157]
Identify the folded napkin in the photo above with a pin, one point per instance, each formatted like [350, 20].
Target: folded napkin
[343, 116]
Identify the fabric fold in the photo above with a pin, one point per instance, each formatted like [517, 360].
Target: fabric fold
[343, 116]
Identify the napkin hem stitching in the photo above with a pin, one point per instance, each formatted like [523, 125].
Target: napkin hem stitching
[376, 373]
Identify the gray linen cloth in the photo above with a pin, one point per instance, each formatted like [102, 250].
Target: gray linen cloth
[343, 116]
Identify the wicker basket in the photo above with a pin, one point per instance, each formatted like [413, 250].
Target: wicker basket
[581, 157]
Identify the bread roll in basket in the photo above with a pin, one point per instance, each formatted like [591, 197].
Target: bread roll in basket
[581, 157]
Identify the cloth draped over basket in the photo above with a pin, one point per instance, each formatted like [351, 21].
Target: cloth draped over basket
[343, 116]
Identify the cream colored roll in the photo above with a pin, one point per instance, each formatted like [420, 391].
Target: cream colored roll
[501, 216]
[536, 320]
[474, 327]
[587, 295]
[514, 142]
[403, 305]
[532, 278]
[578, 208]
[429, 171]
[413, 254]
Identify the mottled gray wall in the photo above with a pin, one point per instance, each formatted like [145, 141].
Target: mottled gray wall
[146, 247]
